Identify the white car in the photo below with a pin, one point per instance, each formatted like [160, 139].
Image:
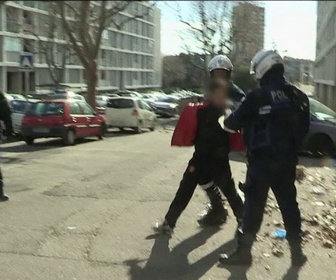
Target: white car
[130, 112]
[18, 108]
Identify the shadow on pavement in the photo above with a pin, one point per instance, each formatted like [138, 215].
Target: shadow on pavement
[22, 147]
[125, 132]
[304, 159]
[292, 273]
[236, 272]
[166, 264]
[311, 161]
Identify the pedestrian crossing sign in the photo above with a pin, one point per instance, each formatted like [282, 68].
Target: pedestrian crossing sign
[26, 62]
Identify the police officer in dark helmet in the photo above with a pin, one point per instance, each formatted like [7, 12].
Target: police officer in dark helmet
[220, 67]
[5, 116]
[275, 118]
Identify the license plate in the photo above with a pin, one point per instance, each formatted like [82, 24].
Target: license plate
[41, 130]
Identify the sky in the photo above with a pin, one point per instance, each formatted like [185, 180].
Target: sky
[289, 25]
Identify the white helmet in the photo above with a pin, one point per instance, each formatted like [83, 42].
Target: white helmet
[263, 61]
[220, 62]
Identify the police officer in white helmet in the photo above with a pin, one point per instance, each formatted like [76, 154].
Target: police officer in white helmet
[220, 67]
[275, 118]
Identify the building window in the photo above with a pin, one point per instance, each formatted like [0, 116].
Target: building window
[12, 18]
[28, 22]
[28, 45]
[103, 74]
[103, 54]
[13, 44]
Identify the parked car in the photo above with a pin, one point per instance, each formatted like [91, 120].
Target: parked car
[130, 112]
[68, 95]
[149, 98]
[68, 119]
[166, 106]
[321, 138]
[19, 108]
[101, 101]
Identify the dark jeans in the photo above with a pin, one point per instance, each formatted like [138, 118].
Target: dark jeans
[202, 172]
[279, 175]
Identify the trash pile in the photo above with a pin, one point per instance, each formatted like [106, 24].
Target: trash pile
[326, 224]
[322, 225]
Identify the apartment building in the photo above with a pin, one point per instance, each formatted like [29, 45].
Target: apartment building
[299, 70]
[129, 57]
[325, 62]
[248, 24]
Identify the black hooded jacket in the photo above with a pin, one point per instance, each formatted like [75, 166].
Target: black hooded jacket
[5, 114]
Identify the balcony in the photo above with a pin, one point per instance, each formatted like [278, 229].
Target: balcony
[29, 3]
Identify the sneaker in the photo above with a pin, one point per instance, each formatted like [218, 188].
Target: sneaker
[4, 198]
[213, 217]
[163, 228]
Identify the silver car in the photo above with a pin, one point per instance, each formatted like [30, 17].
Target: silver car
[321, 138]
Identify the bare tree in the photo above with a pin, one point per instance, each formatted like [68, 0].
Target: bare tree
[209, 30]
[56, 52]
[84, 23]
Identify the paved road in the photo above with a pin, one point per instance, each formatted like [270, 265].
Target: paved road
[86, 212]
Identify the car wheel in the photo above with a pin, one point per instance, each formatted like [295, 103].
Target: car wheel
[29, 140]
[70, 138]
[153, 125]
[138, 129]
[321, 144]
[103, 130]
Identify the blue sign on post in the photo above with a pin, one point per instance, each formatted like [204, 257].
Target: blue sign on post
[26, 62]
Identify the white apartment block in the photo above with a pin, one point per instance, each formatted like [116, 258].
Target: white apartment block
[129, 58]
[325, 62]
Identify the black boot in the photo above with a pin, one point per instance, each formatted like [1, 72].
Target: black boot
[3, 197]
[216, 214]
[297, 256]
[242, 255]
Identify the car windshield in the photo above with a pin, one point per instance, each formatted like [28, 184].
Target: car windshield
[320, 110]
[168, 99]
[120, 103]
[46, 109]
[19, 106]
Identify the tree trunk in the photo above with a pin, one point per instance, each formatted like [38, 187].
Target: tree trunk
[91, 77]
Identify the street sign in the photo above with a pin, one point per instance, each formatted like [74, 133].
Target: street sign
[26, 62]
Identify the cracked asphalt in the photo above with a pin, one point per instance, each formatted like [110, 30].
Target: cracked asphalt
[86, 212]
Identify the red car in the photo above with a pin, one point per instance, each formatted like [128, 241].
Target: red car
[67, 119]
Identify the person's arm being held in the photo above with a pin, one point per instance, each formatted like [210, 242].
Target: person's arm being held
[242, 115]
